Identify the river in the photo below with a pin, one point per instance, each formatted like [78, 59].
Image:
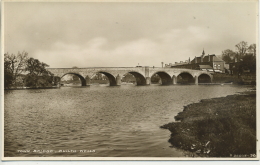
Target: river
[98, 121]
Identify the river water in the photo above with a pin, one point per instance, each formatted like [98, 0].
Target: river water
[98, 121]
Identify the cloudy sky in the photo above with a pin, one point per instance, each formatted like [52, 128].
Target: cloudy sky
[92, 34]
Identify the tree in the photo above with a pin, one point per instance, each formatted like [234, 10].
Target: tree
[245, 58]
[252, 49]
[228, 55]
[249, 62]
[8, 76]
[128, 78]
[242, 48]
[155, 78]
[38, 76]
[14, 65]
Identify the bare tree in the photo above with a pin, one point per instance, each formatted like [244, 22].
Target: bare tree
[242, 48]
[16, 64]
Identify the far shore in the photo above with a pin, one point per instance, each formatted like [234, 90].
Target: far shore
[25, 88]
[218, 127]
[78, 86]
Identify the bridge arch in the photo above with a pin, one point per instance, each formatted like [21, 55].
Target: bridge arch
[185, 78]
[140, 79]
[82, 79]
[111, 78]
[204, 78]
[165, 77]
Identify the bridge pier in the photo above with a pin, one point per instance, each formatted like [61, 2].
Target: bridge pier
[87, 81]
[83, 83]
[118, 80]
[196, 80]
[174, 80]
[148, 81]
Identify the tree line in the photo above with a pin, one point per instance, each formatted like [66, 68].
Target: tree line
[22, 70]
[244, 54]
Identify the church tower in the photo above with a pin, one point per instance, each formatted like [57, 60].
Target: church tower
[202, 56]
[203, 53]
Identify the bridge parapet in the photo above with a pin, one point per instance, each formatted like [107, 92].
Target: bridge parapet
[92, 71]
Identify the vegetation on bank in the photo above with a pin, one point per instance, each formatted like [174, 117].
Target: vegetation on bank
[219, 127]
[246, 78]
[244, 55]
[239, 64]
[22, 71]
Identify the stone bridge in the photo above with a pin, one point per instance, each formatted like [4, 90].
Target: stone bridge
[142, 75]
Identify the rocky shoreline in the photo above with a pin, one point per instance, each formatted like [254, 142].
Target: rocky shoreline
[219, 127]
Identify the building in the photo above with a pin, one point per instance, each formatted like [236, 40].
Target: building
[204, 62]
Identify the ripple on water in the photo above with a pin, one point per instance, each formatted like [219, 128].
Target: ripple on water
[113, 121]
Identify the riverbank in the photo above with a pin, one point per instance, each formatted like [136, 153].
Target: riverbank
[244, 79]
[219, 127]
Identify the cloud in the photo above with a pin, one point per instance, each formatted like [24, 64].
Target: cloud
[93, 54]
[168, 47]
[125, 34]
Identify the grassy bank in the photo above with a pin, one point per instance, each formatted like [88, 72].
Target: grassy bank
[219, 127]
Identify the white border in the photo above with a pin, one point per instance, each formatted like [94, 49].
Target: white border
[155, 159]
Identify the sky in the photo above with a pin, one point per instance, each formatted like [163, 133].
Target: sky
[125, 34]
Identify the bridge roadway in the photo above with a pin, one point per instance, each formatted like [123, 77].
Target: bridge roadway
[142, 75]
